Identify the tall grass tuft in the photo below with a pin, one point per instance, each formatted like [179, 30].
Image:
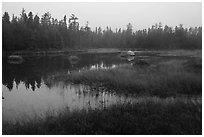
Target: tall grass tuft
[169, 78]
[145, 118]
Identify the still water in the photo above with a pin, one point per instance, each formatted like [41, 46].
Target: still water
[28, 93]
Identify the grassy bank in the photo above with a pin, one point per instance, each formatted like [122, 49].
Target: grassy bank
[149, 117]
[173, 77]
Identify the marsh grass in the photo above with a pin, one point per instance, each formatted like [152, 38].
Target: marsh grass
[151, 116]
[168, 78]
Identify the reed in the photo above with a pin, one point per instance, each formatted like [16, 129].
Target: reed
[167, 78]
[150, 116]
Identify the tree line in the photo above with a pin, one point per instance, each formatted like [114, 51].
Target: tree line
[30, 32]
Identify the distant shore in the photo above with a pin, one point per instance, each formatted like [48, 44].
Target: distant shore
[178, 52]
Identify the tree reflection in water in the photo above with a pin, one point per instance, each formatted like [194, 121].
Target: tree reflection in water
[34, 70]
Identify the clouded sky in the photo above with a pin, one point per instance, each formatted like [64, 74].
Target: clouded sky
[116, 15]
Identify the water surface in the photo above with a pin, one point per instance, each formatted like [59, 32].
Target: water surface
[28, 93]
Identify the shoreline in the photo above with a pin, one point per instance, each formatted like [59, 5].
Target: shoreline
[178, 52]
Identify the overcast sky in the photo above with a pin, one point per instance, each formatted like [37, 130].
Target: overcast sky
[116, 15]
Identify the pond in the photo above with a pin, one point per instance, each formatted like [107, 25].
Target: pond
[27, 93]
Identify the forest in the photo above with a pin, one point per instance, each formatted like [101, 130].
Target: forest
[29, 32]
[97, 86]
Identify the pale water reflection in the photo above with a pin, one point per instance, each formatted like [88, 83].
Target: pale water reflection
[101, 66]
[28, 93]
[22, 103]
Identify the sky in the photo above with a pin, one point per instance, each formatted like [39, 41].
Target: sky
[116, 14]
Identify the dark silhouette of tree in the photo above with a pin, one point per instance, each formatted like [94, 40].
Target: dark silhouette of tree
[36, 21]
[46, 19]
[87, 28]
[30, 33]
[30, 20]
[73, 23]
[23, 17]
[6, 18]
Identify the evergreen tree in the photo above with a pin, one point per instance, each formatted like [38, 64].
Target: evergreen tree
[29, 32]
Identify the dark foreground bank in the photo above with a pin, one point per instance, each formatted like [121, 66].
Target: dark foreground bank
[149, 117]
